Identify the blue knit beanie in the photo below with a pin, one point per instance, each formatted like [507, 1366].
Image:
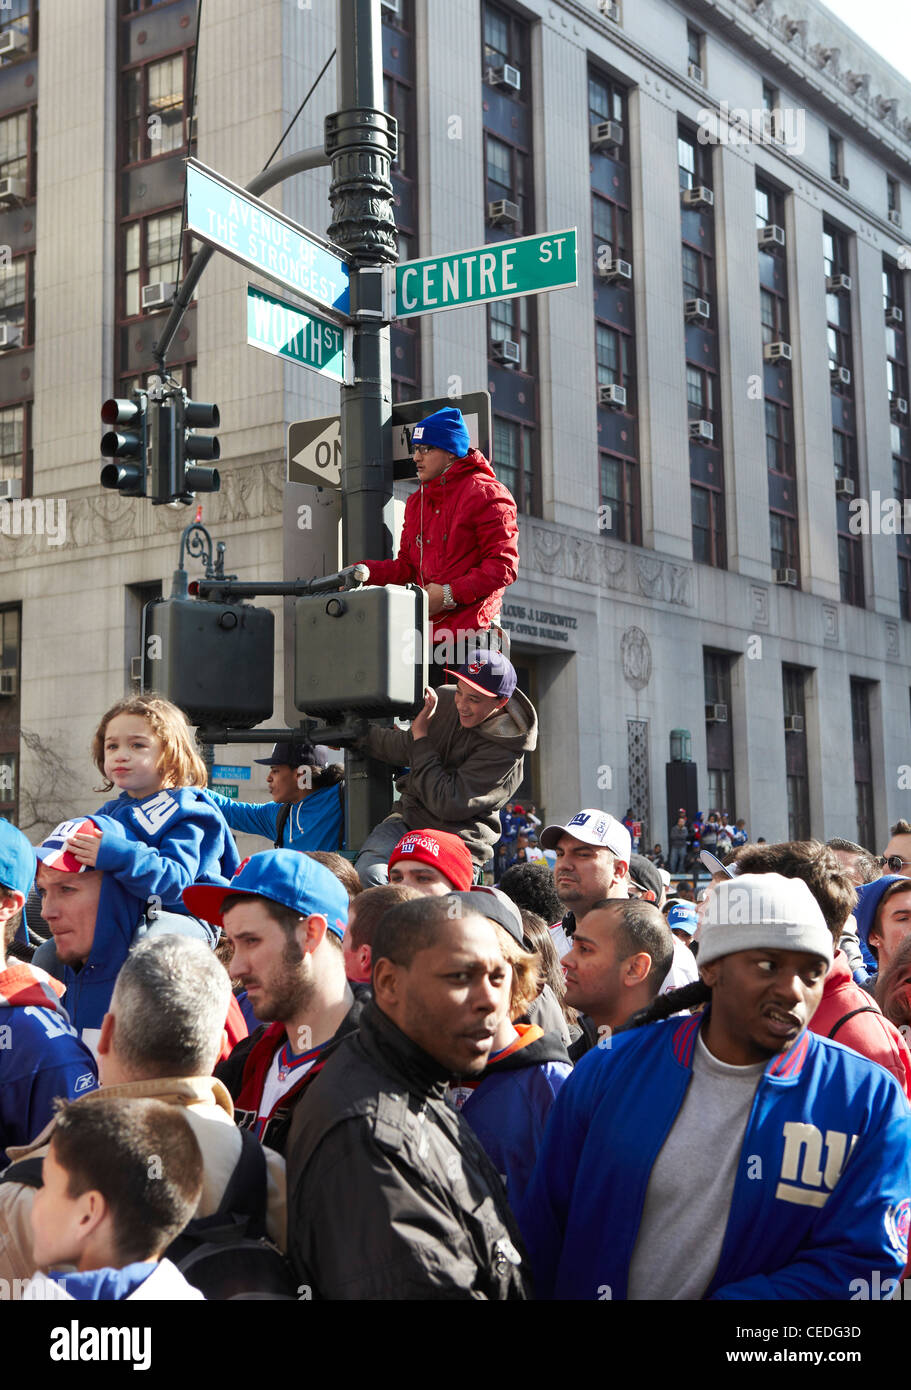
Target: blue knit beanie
[445, 429]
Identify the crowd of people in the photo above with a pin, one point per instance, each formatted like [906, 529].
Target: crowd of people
[363, 1072]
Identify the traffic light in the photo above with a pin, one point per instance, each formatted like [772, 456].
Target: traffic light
[162, 452]
[171, 444]
[127, 442]
[190, 416]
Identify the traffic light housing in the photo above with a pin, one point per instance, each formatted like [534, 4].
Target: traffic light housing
[364, 650]
[171, 443]
[190, 416]
[213, 660]
[126, 441]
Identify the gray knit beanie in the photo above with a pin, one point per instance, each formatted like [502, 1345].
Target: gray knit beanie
[762, 910]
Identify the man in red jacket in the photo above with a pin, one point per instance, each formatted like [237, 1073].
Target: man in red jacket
[459, 539]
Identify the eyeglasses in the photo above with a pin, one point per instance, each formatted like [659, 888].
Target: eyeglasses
[894, 862]
[421, 449]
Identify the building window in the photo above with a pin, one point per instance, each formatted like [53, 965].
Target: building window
[694, 47]
[400, 102]
[700, 394]
[605, 100]
[620, 494]
[686, 161]
[863, 762]
[707, 506]
[784, 542]
[514, 461]
[719, 732]
[155, 118]
[779, 447]
[507, 123]
[156, 130]
[850, 570]
[21, 15]
[836, 158]
[796, 761]
[893, 203]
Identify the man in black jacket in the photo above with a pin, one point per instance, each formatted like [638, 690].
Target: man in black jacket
[391, 1195]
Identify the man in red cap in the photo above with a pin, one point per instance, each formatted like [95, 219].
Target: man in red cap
[432, 862]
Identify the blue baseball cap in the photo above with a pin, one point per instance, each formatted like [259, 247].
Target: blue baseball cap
[684, 917]
[17, 859]
[283, 876]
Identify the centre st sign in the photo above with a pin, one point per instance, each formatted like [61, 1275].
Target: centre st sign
[499, 270]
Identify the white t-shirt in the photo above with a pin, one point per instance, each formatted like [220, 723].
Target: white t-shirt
[284, 1073]
[683, 971]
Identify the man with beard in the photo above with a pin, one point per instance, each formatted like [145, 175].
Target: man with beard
[284, 915]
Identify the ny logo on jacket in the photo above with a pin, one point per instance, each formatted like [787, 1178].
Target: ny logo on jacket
[808, 1140]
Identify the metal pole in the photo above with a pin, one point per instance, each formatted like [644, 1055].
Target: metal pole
[361, 142]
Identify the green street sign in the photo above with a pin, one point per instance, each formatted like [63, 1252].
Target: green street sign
[500, 270]
[229, 789]
[289, 331]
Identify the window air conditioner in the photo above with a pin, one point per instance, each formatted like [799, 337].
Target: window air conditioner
[505, 76]
[612, 395]
[777, 352]
[716, 714]
[770, 236]
[616, 270]
[793, 723]
[702, 429]
[502, 211]
[697, 197]
[786, 577]
[696, 310]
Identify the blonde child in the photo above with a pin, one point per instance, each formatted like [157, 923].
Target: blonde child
[144, 748]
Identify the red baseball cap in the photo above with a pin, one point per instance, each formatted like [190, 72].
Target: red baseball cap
[448, 853]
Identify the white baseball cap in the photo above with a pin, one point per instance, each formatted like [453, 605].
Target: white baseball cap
[592, 827]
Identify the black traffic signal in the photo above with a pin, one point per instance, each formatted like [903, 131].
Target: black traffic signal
[190, 416]
[127, 442]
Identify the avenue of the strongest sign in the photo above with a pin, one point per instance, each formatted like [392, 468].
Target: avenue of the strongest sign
[232, 220]
[501, 270]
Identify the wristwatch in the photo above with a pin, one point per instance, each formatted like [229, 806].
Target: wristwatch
[448, 600]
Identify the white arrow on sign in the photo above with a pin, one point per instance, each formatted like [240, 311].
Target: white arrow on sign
[315, 452]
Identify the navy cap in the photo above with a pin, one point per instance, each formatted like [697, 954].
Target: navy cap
[296, 755]
[17, 859]
[284, 876]
[488, 672]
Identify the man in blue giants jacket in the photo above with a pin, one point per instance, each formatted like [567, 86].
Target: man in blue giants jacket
[730, 1154]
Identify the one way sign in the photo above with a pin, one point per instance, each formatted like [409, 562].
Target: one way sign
[315, 452]
[315, 446]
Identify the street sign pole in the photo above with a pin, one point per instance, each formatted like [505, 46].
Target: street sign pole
[361, 144]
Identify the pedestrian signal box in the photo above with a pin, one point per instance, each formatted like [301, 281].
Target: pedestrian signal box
[213, 660]
[364, 650]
